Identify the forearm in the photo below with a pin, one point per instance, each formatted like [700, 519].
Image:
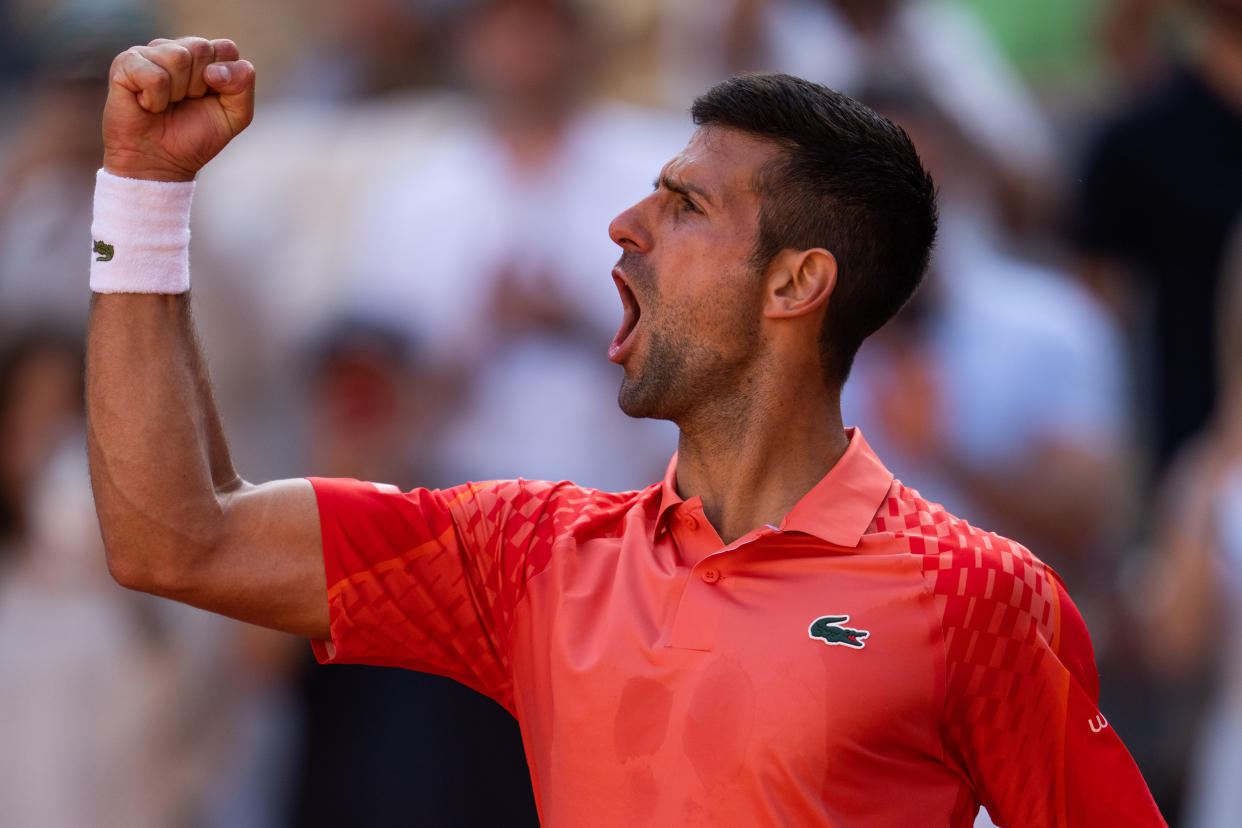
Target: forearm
[158, 454]
[176, 518]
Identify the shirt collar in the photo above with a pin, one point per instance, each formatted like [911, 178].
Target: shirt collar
[838, 509]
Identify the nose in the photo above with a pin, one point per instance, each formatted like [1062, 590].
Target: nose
[629, 229]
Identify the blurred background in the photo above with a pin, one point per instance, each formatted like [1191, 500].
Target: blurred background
[401, 275]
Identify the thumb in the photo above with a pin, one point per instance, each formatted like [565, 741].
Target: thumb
[233, 82]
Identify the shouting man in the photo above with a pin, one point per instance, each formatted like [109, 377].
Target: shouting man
[777, 633]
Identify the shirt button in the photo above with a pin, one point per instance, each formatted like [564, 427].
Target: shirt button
[711, 575]
[690, 521]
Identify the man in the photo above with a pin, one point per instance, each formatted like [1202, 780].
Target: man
[1158, 196]
[778, 633]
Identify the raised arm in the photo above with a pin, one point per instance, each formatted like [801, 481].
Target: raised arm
[176, 519]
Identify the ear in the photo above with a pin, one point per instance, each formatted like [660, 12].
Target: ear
[799, 282]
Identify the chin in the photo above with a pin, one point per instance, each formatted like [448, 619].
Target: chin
[631, 405]
[644, 401]
[634, 402]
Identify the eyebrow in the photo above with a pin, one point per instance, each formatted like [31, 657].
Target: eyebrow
[680, 187]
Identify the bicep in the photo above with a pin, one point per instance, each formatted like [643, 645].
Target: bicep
[266, 565]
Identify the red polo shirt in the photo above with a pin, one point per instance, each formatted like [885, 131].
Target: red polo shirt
[872, 661]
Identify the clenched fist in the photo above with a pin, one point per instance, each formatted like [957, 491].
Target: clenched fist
[172, 105]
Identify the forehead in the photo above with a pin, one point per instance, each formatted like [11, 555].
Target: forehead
[723, 161]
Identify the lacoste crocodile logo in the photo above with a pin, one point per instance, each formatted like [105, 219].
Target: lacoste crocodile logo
[826, 627]
[104, 250]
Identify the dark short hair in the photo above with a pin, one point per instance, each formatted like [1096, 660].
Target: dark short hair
[847, 180]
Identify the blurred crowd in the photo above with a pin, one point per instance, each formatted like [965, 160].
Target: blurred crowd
[401, 275]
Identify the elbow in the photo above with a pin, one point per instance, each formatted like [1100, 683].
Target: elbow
[158, 550]
[161, 567]
[125, 568]
[132, 567]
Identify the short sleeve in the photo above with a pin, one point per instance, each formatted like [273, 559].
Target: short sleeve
[1021, 721]
[429, 579]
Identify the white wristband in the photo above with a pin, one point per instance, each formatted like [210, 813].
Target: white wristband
[141, 234]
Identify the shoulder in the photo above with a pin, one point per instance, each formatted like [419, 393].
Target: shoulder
[550, 506]
[999, 607]
[932, 531]
[979, 580]
[561, 507]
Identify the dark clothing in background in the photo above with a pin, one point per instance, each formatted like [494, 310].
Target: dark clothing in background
[391, 748]
[1162, 193]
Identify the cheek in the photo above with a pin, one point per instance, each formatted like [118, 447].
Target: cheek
[706, 274]
[719, 313]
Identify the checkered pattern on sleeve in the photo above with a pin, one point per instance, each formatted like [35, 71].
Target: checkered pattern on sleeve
[429, 580]
[1021, 687]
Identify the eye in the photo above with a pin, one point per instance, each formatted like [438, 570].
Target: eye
[689, 206]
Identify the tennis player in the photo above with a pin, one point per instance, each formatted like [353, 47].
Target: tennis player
[777, 633]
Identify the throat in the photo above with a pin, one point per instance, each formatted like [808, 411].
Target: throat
[746, 482]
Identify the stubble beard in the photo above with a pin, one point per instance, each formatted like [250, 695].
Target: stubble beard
[681, 378]
[650, 392]
[678, 375]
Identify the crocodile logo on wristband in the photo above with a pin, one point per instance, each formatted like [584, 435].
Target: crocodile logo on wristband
[104, 250]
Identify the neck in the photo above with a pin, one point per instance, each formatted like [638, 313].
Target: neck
[752, 468]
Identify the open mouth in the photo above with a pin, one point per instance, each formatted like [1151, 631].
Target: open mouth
[619, 348]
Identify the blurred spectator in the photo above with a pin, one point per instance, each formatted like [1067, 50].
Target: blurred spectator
[40, 405]
[385, 746]
[92, 735]
[368, 48]
[1161, 189]
[1193, 605]
[371, 399]
[273, 256]
[491, 242]
[87, 692]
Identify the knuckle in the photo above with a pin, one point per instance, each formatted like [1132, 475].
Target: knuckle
[180, 57]
[199, 47]
[225, 49]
